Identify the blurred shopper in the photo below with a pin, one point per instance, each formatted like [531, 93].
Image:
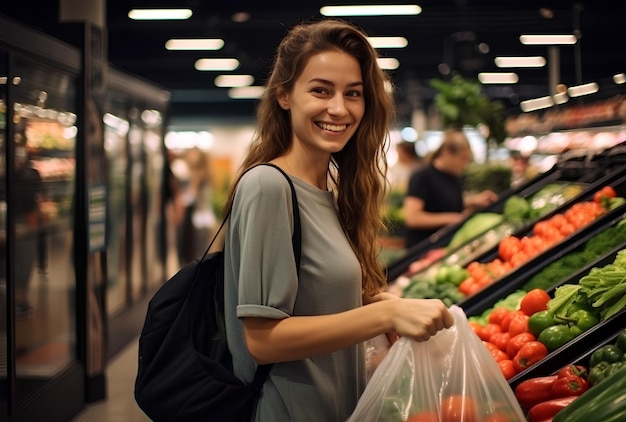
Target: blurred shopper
[408, 162]
[198, 222]
[522, 170]
[323, 119]
[435, 197]
[28, 184]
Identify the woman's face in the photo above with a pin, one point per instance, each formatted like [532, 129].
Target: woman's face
[326, 103]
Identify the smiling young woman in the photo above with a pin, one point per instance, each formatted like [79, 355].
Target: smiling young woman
[324, 119]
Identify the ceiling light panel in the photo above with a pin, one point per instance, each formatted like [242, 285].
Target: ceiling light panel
[388, 42]
[528, 61]
[580, 90]
[372, 10]
[216, 64]
[230, 81]
[195, 44]
[388, 63]
[498, 77]
[566, 39]
[160, 14]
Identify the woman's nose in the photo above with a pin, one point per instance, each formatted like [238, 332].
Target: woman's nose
[337, 105]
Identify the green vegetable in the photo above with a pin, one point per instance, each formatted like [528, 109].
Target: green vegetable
[580, 320]
[596, 373]
[453, 274]
[613, 367]
[516, 208]
[541, 320]
[608, 353]
[555, 336]
[604, 402]
[476, 225]
[564, 296]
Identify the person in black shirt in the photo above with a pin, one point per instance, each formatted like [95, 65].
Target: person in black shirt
[435, 197]
[28, 184]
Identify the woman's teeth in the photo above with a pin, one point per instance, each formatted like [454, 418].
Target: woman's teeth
[332, 128]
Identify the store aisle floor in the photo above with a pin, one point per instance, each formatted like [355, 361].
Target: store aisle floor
[120, 405]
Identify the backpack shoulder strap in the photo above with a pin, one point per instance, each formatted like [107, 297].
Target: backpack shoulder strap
[296, 238]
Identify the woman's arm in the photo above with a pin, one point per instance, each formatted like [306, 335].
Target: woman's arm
[416, 218]
[294, 338]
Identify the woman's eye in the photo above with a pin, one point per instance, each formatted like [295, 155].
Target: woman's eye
[354, 94]
[319, 90]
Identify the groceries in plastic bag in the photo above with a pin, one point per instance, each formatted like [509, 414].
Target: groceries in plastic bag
[449, 378]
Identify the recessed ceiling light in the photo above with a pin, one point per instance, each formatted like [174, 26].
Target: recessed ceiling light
[585, 89]
[160, 14]
[371, 10]
[216, 64]
[536, 104]
[195, 44]
[388, 63]
[388, 42]
[231, 81]
[529, 61]
[619, 78]
[246, 92]
[498, 77]
[566, 39]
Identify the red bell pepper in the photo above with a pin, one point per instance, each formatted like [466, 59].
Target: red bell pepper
[548, 409]
[534, 391]
[569, 385]
[578, 370]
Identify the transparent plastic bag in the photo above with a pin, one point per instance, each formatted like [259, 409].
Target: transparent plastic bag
[452, 377]
[375, 351]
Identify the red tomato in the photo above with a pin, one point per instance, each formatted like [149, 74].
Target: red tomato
[424, 416]
[507, 368]
[506, 321]
[517, 342]
[459, 408]
[606, 192]
[500, 340]
[496, 316]
[534, 301]
[518, 325]
[488, 330]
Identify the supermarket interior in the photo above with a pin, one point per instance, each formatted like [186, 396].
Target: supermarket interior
[103, 116]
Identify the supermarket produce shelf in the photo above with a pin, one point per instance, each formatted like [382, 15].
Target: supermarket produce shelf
[576, 169]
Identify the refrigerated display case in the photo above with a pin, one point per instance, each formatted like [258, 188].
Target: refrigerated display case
[39, 97]
[134, 121]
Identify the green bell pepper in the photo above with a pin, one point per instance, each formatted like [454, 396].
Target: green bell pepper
[541, 320]
[582, 320]
[596, 373]
[555, 336]
[608, 353]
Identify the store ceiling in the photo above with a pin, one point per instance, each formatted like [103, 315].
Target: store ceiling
[447, 31]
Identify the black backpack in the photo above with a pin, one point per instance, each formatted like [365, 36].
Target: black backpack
[185, 369]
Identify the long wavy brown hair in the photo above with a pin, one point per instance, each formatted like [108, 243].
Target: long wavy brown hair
[357, 173]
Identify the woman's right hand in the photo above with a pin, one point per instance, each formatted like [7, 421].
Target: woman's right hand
[420, 319]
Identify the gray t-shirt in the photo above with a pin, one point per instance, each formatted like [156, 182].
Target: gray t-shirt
[261, 281]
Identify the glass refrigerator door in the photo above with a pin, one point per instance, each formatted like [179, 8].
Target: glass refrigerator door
[3, 234]
[115, 132]
[43, 192]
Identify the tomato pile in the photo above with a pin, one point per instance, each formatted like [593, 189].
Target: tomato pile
[508, 337]
[514, 251]
[462, 408]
